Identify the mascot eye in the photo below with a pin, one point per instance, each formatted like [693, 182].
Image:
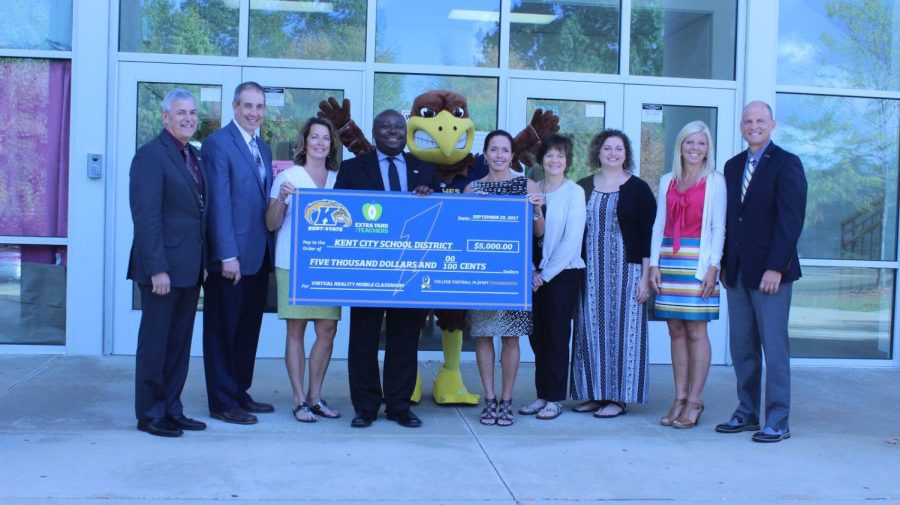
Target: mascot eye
[459, 112]
[426, 112]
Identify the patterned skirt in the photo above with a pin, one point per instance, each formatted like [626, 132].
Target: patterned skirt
[679, 293]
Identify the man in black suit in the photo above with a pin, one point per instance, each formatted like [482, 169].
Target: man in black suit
[388, 168]
[167, 194]
[766, 194]
[240, 246]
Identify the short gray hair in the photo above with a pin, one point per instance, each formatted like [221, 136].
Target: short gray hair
[175, 95]
[245, 86]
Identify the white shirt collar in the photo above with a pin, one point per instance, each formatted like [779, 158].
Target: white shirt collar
[247, 136]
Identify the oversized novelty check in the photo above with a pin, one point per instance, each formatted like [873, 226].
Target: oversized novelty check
[392, 249]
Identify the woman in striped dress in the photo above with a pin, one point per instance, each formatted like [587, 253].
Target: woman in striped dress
[686, 249]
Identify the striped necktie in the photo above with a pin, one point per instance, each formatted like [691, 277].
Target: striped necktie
[748, 174]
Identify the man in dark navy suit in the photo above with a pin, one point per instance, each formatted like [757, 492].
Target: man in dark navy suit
[239, 164]
[167, 194]
[766, 189]
[388, 168]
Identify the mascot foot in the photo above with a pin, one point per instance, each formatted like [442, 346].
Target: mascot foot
[417, 392]
[449, 388]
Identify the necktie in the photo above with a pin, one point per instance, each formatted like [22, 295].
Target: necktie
[194, 170]
[748, 174]
[393, 175]
[254, 150]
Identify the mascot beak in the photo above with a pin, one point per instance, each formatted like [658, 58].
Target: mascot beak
[442, 139]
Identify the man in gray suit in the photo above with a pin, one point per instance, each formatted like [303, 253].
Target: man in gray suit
[239, 164]
[167, 194]
[766, 200]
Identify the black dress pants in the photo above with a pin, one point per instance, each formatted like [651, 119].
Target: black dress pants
[553, 305]
[402, 329]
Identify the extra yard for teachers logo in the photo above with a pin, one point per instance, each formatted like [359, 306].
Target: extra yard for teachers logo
[327, 215]
[371, 213]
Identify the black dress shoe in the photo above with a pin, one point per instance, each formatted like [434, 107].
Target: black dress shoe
[159, 427]
[362, 420]
[236, 415]
[186, 423]
[258, 407]
[737, 425]
[769, 436]
[406, 419]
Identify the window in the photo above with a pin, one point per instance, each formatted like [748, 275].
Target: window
[459, 32]
[306, 30]
[681, 38]
[201, 27]
[36, 25]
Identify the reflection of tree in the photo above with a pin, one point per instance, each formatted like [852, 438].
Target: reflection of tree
[339, 35]
[187, 27]
[850, 184]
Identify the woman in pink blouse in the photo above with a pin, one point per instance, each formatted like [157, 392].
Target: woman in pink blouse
[686, 250]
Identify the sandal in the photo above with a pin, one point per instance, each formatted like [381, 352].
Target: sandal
[590, 406]
[533, 407]
[623, 409]
[489, 413]
[308, 416]
[674, 411]
[551, 410]
[684, 422]
[321, 409]
[505, 414]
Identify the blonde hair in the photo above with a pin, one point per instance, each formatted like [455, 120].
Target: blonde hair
[689, 129]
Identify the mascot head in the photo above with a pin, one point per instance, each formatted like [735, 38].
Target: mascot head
[439, 129]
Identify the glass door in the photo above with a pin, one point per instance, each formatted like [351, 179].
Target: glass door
[653, 117]
[292, 96]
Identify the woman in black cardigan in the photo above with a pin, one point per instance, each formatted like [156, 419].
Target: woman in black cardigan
[609, 356]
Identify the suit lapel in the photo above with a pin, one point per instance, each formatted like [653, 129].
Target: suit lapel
[180, 165]
[760, 174]
[413, 173]
[373, 170]
[244, 149]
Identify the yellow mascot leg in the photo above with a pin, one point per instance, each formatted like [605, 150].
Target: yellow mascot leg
[448, 384]
[417, 392]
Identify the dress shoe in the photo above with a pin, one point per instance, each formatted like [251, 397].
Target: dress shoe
[159, 427]
[737, 425]
[236, 415]
[186, 423]
[258, 407]
[770, 435]
[406, 419]
[362, 420]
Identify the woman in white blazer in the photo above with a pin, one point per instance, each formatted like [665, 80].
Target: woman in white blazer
[685, 255]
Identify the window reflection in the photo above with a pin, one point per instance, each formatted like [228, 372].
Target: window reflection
[306, 30]
[150, 98]
[660, 125]
[32, 294]
[458, 32]
[580, 120]
[179, 26]
[287, 109]
[572, 36]
[683, 38]
[26, 24]
[840, 44]
[842, 313]
[849, 148]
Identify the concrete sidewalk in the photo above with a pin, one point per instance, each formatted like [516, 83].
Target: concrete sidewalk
[67, 435]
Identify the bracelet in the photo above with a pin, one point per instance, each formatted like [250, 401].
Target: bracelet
[538, 215]
[282, 202]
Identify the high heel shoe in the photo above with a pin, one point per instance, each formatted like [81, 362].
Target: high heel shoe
[674, 411]
[683, 422]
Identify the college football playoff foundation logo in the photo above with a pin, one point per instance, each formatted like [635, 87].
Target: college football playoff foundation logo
[324, 214]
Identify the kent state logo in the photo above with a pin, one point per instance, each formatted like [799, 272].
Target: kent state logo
[327, 213]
